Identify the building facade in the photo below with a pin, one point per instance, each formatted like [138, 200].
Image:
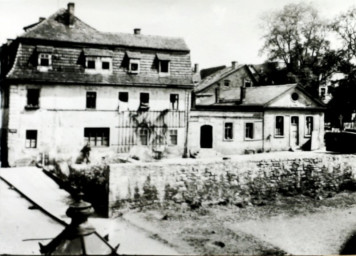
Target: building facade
[65, 84]
[237, 117]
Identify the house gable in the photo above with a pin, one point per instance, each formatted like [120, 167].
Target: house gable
[223, 86]
[294, 98]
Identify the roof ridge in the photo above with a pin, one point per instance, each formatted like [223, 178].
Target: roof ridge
[143, 35]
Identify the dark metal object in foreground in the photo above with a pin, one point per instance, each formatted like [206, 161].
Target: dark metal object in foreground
[79, 237]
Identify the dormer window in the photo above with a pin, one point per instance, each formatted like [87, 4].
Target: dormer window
[90, 63]
[164, 64]
[134, 66]
[134, 62]
[247, 83]
[44, 60]
[98, 61]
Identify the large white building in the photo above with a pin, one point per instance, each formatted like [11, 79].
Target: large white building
[64, 84]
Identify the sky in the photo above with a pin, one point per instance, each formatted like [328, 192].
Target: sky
[216, 31]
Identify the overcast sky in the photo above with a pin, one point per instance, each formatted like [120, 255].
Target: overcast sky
[216, 31]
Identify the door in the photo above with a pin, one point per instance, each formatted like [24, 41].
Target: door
[206, 136]
[294, 133]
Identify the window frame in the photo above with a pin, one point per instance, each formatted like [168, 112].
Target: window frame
[124, 93]
[247, 81]
[160, 65]
[173, 133]
[134, 61]
[231, 131]
[29, 141]
[227, 83]
[44, 56]
[144, 132]
[253, 137]
[88, 99]
[306, 134]
[104, 141]
[282, 134]
[174, 105]
[29, 104]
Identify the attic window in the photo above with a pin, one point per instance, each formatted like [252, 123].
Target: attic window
[295, 96]
[163, 63]
[105, 65]
[247, 83]
[227, 83]
[134, 66]
[90, 63]
[44, 61]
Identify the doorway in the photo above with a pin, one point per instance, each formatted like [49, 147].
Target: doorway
[294, 133]
[206, 136]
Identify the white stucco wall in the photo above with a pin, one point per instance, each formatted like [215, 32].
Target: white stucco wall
[62, 117]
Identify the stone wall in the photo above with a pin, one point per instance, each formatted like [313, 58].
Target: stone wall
[253, 178]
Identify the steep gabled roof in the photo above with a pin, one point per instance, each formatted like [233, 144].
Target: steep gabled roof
[215, 77]
[55, 28]
[261, 97]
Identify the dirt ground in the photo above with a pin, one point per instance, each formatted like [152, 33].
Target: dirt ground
[290, 225]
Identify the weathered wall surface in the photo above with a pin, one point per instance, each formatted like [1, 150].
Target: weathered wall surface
[238, 144]
[62, 117]
[218, 179]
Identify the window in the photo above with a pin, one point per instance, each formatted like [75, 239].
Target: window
[91, 100]
[90, 63]
[249, 131]
[164, 66]
[173, 137]
[322, 92]
[97, 137]
[174, 99]
[33, 96]
[279, 126]
[308, 125]
[144, 97]
[124, 96]
[295, 96]
[227, 83]
[144, 101]
[134, 66]
[144, 136]
[228, 135]
[44, 59]
[247, 83]
[105, 65]
[31, 138]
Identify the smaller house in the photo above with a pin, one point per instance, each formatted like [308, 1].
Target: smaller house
[233, 116]
[326, 89]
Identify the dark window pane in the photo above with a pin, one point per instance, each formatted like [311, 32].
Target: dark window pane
[279, 125]
[91, 64]
[97, 136]
[124, 96]
[33, 97]
[164, 66]
[249, 130]
[91, 100]
[134, 67]
[106, 65]
[31, 138]
[144, 97]
[44, 62]
[174, 99]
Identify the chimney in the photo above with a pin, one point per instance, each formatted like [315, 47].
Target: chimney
[9, 41]
[196, 68]
[233, 64]
[242, 94]
[70, 10]
[41, 19]
[137, 31]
